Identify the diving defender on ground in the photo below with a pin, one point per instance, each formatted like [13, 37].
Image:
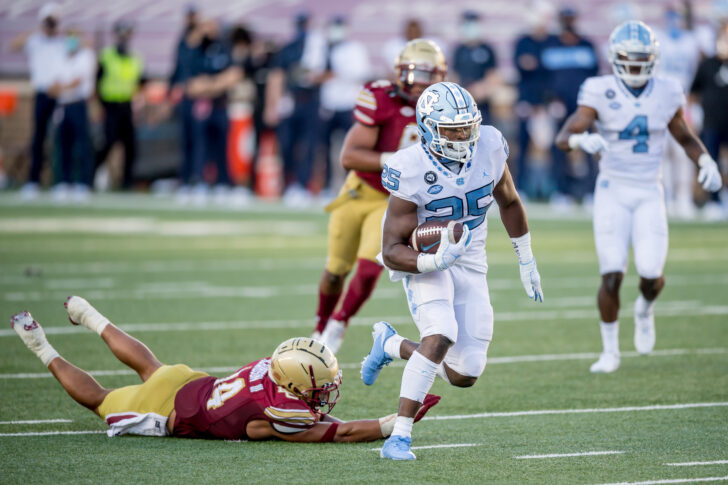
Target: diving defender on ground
[286, 396]
[455, 173]
[633, 111]
[385, 123]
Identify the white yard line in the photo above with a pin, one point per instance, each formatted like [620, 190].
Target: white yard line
[430, 447]
[699, 463]
[516, 359]
[666, 310]
[38, 421]
[565, 455]
[52, 433]
[541, 412]
[672, 480]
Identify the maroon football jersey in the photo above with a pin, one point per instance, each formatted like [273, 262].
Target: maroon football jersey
[221, 408]
[379, 105]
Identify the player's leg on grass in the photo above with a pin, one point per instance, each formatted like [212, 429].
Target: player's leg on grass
[650, 242]
[344, 232]
[608, 302]
[80, 385]
[130, 351]
[613, 213]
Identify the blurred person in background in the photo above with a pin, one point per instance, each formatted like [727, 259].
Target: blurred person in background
[74, 88]
[213, 76]
[183, 70]
[292, 105]
[711, 88]
[569, 59]
[46, 51]
[475, 64]
[120, 74]
[532, 82]
[679, 58]
[347, 68]
[412, 29]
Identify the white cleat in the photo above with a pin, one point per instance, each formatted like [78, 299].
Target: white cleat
[80, 312]
[333, 335]
[606, 364]
[644, 331]
[29, 330]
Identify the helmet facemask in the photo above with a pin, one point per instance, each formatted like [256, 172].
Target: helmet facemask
[634, 68]
[455, 140]
[633, 53]
[321, 398]
[412, 76]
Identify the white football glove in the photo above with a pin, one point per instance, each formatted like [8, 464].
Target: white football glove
[709, 175]
[447, 253]
[531, 280]
[589, 142]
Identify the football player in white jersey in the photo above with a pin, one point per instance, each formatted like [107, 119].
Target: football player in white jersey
[633, 112]
[456, 173]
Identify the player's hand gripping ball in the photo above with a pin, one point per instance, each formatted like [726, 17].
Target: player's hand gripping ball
[426, 237]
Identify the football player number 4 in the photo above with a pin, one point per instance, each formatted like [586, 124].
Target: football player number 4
[223, 391]
[637, 130]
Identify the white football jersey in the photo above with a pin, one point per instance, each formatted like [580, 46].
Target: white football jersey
[415, 175]
[634, 126]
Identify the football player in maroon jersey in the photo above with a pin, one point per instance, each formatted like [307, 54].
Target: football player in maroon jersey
[385, 123]
[287, 396]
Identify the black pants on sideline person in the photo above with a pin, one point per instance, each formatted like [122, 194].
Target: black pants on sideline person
[42, 112]
[76, 154]
[119, 126]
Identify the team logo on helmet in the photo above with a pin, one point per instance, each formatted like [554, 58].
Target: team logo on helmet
[427, 100]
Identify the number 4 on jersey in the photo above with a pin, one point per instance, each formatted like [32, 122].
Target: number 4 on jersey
[637, 130]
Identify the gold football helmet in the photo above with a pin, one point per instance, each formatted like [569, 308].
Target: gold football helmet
[309, 370]
[420, 64]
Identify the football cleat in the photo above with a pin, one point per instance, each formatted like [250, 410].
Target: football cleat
[29, 330]
[644, 330]
[333, 335]
[377, 357]
[606, 364]
[397, 448]
[80, 312]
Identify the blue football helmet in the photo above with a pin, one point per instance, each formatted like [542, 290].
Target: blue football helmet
[633, 53]
[448, 121]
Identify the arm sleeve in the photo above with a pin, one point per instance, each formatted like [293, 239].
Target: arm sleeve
[588, 94]
[398, 177]
[371, 106]
[290, 417]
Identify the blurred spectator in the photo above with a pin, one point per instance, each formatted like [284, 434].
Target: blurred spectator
[75, 87]
[183, 70]
[46, 51]
[392, 48]
[679, 57]
[347, 68]
[711, 86]
[118, 79]
[570, 59]
[475, 64]
[214, 75]
[532, 82]
[292, 104]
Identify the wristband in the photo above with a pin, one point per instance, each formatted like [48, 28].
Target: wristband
[522, 247]
[386, 424]
[704, 159]
[426, 263]
[575, 139]
[384, 157]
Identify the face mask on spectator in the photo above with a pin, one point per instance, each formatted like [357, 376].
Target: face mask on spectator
[470, 31]
[336, 33]
[72, 44]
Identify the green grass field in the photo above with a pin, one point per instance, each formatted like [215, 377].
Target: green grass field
[217, 289]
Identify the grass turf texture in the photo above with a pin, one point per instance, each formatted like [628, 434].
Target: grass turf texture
[246, 281]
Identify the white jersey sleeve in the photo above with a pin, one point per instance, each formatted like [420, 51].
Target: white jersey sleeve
[495, 143]
[399, 175]
[589, 94]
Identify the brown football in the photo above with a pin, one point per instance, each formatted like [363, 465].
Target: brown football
[426, 237]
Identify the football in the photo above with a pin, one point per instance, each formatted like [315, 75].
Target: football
[426, 237]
